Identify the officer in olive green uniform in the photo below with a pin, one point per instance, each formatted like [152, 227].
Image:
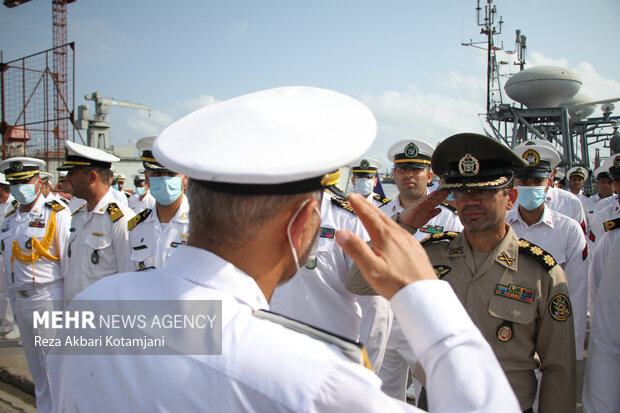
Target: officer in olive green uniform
[513, 290]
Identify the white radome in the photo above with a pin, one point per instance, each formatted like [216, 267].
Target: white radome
[543, 86]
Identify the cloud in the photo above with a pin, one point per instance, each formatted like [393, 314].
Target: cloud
[148, 124]
[199, 102]
[538, 59]
[427, 116]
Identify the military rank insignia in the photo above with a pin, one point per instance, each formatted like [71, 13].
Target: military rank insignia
[176, 244]
[328, 233]
[442, 270]
[505, 258]
[343, 203]
[613, 224]
[560, 308]
[515, 292]
[114, 211]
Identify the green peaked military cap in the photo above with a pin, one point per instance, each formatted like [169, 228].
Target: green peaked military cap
[474, 161]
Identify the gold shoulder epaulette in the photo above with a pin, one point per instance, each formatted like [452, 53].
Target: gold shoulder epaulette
[115, 212]
[537, 253]
[450, 207]
[133, 222]
[343, 203]
[75, 212]
[384, 201]
[15, 203]
[450, 235]
[55, 205]
[352, 350]
[11, 211]
[612, 224]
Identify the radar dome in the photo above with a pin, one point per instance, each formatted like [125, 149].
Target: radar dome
[542, 86]
[579, 112]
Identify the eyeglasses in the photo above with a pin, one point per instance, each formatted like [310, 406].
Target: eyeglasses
[477, 194]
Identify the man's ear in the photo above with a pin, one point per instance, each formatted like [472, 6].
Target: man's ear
[512, 197]
[299, 223]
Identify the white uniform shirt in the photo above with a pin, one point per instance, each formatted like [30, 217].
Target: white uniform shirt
[376, 202]
[21, 227]
[120, 197]
[447, 220]
[590, 204]
[562, 237]
[138, 205]
[313, 293]
[98, 246]
[75, 203]
[597, 229]
[602, 251]
[604, 203]
[566, 203]
[602, 376]
[152, 242]
[266, 367]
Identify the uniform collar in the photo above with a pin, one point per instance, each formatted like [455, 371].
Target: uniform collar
[182, 215]
[204, 268]
[102, 205]
[506, 253]
[514, 215]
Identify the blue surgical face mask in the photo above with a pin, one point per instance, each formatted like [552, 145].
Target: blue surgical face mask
[24, 193]
[115, 186]
[531, 197]
[141, 190]
[364, 186]
[166, 189]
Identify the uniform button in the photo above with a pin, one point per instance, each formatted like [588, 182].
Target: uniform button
[469, 309]
[474, 282]
[510, 313]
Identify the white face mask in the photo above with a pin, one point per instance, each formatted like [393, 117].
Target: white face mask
[364, 186]
[314, 249]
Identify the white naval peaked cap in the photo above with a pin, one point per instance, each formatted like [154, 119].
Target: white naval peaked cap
[541, 159]
[579, 171]
[3, 180]
[282, 140]
[538, 142]
[145, 147]
[601, 170]
[46, 175]
[366, 166]
[18, 168]
[138, 177]
[119, 177]
[81, 156]
[411, 153]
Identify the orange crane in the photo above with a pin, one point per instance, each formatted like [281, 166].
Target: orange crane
[59, 26]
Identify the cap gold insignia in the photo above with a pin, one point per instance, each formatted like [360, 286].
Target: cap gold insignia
[411, 150]
[469, 166]
[529, 143]
[531, 157]
[364, 164]
[560, 308]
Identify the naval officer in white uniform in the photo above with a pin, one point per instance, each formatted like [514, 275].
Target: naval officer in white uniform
[556, 233]
[155, 234]
[242, 157]
[98, 245]
[364, 180]
[141, 198]
[33, 240]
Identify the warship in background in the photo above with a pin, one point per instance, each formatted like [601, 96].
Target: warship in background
[551, 107]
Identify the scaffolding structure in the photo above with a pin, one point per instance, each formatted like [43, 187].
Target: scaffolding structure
[37, 105]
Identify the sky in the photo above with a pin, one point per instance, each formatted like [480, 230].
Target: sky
[402, 58]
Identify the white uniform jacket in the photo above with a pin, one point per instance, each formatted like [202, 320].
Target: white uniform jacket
[266, 367]
[561, 237]
[152, 242]
[138, 205]
[566, 203]
[600, 391]
[22, 227]
[98, 244]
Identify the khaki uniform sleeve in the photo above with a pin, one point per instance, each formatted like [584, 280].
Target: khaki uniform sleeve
[356, 283]
[555, 345]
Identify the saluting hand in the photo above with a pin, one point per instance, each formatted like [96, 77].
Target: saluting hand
[396, 259]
